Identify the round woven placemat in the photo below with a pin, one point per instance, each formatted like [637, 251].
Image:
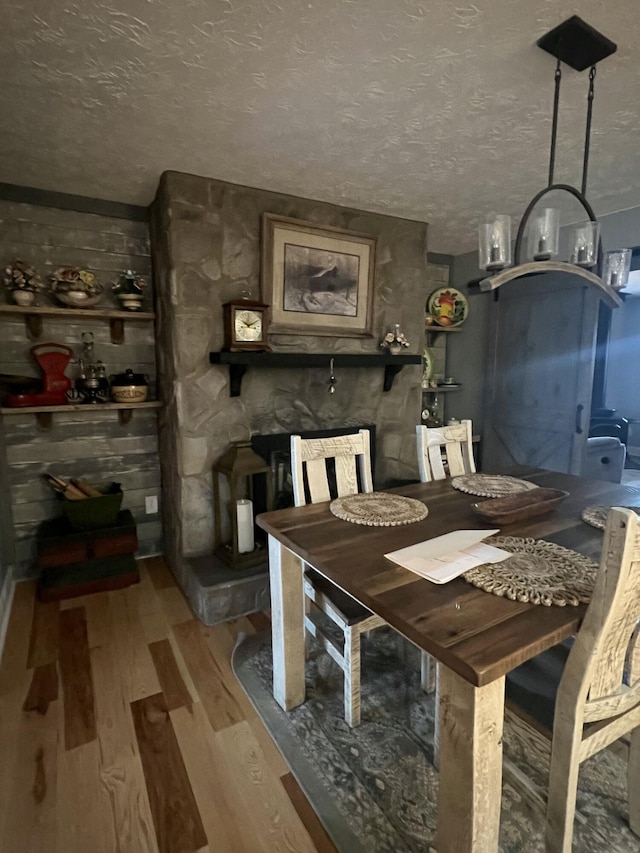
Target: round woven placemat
[378, 509]
[596, 515]
[538, 572]
[491, 485]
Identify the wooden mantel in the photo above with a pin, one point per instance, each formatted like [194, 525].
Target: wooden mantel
[239, 362]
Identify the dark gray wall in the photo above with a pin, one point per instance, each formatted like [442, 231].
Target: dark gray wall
[91, 445]
[467, 352]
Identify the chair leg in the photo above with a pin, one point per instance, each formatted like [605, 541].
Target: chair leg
[352, 677]
[436, 722]
[633, 781]
[563, 786]
[427, 673]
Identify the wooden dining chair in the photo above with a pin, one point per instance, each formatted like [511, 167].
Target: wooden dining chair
[450, 444]
[345, 461]
[578, 698]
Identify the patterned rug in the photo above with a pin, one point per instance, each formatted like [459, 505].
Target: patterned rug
[375, 788]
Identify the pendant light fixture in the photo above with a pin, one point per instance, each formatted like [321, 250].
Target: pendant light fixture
[580, 46]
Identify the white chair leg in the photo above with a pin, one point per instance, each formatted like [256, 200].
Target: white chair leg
[436, 722]
[427, 673]
[352, 677]
[633, 781]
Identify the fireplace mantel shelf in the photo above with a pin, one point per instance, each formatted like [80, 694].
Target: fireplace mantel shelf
[239, 362]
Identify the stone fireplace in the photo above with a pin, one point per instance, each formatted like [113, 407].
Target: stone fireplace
[206, 241]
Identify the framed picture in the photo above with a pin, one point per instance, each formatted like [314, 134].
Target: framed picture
[317, 280]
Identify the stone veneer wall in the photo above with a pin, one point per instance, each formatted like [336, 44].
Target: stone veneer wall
[206, 247]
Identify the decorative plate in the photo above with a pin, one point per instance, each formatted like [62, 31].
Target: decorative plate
[491, 485]
[448, 306]
[596, 516]
[378, 509]
[538, 572]
[427, 365]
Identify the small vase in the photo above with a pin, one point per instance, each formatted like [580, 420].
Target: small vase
[23, 298]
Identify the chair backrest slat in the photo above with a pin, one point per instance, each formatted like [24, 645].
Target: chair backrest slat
[455, 441]
[603, 662]
[351, 454]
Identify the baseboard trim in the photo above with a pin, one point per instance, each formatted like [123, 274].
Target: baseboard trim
[6, 600]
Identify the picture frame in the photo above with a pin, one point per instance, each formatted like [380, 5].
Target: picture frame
[318, 280]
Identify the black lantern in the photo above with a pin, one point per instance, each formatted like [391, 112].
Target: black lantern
[240, 465]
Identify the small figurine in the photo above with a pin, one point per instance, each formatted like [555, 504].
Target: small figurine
[394, 340]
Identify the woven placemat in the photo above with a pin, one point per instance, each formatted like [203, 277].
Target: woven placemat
[539, 572]
[491, 485]
[378, 509]
[596, 515]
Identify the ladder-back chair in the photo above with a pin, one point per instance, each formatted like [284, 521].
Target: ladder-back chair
[577, 699]
[453, 442]
[351, 464]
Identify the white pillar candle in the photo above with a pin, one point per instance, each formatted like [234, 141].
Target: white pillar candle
[244, 513]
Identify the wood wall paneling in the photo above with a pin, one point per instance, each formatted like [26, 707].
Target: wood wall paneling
[92, 446]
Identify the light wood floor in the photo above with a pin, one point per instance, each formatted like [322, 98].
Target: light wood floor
[123, 729]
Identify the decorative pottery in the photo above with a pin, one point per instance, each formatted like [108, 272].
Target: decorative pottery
[129, 387]
[23, 297]
[130, 301]
[75, 287]
[78, 298]
[394, 340]
[448, 306]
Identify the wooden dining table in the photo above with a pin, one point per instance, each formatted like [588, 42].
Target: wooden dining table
[476, 636]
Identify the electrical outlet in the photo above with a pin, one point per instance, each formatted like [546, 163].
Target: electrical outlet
[151, 504]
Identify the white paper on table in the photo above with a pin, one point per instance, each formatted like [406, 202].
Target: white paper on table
[441, 559]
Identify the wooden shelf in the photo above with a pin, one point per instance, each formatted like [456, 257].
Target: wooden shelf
[239, 362]
[44, 414]
[441, 388]
[434, 330]
[34, 314]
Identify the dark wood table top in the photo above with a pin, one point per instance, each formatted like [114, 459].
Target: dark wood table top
[479, 635]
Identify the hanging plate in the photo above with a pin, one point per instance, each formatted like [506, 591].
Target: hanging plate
[427, 365]
[448, 306]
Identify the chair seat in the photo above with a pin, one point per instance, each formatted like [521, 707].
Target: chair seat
[533, 685]
[351, 609]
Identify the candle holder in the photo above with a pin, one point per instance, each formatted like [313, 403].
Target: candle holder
[616, 268]
[544, 234]
[239, 466]
[583, 243]
[495, 244]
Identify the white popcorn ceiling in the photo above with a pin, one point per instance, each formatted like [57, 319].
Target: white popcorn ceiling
[436, 110]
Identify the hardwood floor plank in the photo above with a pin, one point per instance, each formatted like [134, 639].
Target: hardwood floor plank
[268, 806]
[213, 690]
[146, 604]
[220, 803]
[83, 808]
[159, 572]
[173, 807]
[121, 768]
[96, 606]
[43, 689]
[307, 815]
[260, 621]
[137, 672]
[43, 643]
[10, 719]
[31, 814]
[173, 687]
[16, 645]
[75, 677]
[174, 605]
[221, 643]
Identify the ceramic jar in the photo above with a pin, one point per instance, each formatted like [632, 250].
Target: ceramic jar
[129, 387]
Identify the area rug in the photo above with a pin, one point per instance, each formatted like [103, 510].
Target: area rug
[375, 788]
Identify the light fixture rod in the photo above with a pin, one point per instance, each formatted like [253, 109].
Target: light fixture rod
[554, 125]
[587, 135]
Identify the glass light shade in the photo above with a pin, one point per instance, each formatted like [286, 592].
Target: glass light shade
[583, 243]
[616, 268]
[495, 244]
[544, 233]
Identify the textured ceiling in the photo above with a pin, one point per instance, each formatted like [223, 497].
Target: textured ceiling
[436, 110]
